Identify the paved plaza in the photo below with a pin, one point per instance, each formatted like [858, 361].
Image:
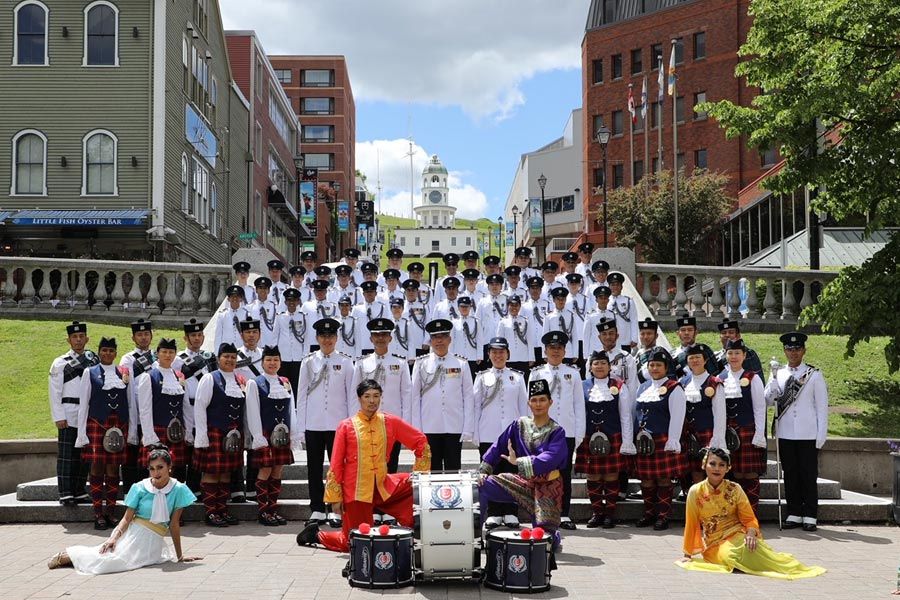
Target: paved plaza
[250, 561]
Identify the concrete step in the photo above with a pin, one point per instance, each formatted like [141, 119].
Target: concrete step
[45, 489]
[850, 506]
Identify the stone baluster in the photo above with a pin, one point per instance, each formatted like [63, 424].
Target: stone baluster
[680, 296]
[697, 297]
[133, 297]
[223, 281]
[204, 299]
[806, 299]
[734, 303]
[153, 293]
[10, 289]
[170, 297]
[752, 302]
[28, 295]
[788, 304]
[769, 301]
[63, 291]
[716, 299]
[663, 296]
[81, 291]
[118, 292]
[646, 294]
[46, 290]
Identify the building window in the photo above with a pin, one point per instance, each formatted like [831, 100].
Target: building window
[598, 177]
[679, 109]
[185, 185]
[680, 160]
[416, 244]
[597, 71]
[100, 150]
[699, 45]
[317, 78]
[435, 245]
[638, 124]
[700, 158]
[283, 75]
[318, 133]
[258, 78]
[200, 188]
[101, 34]
[598, 123]
[402, 240]
[280, 120]
[699, 98]
[656, 55]
[655, 114]
[213, 201]
[317, 106]
[435, 220]
[257, 143]
[617, 66]
[655, 165]
[679, 51]
[318, 161]
[30, 46]
[637, 170]
[768, 156]
[637, 61]
[29, 176]
[453, 242]
[186, 61]
[618, 175]
[558, 205]
[468, 242]
[201, 15]
[617, 123]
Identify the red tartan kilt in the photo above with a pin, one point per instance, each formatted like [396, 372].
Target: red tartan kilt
[176, 451]
[214, 459]
[94, 453]
[262, 458]
[660, 464]
[694, 464]
[748, 458]
[590, 464]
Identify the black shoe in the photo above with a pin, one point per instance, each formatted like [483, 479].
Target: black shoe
[336, 523]
[569, 525]
[239, 499]
[791, 525]
[267, 519]
[608, 522]
[70, 502]
[634, 496]
[281, 520]
[309, 535]
[682, 497]
[100, 524]
[809, 527]
[595, 521]
[345, 572]
[214, 520]
[110, 522]
[661, 524]
[83, 499]
[230, 519]
[644, 521]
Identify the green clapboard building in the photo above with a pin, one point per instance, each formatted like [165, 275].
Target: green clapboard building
[122, 134]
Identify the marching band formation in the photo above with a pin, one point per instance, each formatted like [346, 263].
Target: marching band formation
[548, 370]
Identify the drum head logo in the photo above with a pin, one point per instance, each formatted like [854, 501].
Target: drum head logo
[364, 567]
[498, 569]
[517, 563]
[446, 496]
[384, 561]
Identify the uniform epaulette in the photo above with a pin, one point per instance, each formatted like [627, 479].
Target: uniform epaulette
[461, 357]
[516, 371]
[307, 356]
[398, 356]
[418, 358]
[344, 355]
[536, 367]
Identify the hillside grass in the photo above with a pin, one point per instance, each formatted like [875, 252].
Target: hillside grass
[864, 399]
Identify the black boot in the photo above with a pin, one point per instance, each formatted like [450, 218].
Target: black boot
[309, 535]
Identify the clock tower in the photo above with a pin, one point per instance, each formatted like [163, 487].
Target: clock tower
[435, 211]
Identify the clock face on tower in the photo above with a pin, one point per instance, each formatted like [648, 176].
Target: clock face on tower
[435, 197]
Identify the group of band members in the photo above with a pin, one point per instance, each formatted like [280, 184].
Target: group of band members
[453, 361]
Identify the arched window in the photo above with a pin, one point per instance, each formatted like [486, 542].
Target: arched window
[29, 164]
[435, 179]
[185, 187]
[213, 215]
[101, 34]
[99, 176]
[30, 46]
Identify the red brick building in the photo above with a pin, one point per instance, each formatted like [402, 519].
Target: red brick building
[273, 135]
[320, 93]
[622, 42]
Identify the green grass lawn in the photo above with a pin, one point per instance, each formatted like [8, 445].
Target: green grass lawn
[865, 400]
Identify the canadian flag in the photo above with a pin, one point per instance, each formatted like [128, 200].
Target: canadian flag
[631, 107]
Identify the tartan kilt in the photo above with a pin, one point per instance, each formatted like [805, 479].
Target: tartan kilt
[133, 452]
[214, 459]
[93, 452]
[660, 464]
[748, 458]
[270, 457]
[695, 465]
[590, 464]
[176, 451]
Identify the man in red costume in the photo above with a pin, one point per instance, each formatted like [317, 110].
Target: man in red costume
[358, 481]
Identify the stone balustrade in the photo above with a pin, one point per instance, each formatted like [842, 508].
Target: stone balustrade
[712, 292]
[120, 290]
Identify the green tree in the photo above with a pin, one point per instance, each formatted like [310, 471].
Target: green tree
[645, 215]
[831, 74]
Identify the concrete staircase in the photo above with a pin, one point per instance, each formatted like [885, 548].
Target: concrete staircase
[36, 501]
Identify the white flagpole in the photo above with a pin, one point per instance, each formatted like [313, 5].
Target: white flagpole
[645, 99]
[631, 133]
[661, 95]
[674, 93]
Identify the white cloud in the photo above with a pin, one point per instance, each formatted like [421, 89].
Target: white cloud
[468, 53]
[391, 159]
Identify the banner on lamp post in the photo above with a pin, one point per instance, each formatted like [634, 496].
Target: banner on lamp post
[308, 200]
[343, 208]
[510, 234]
[536, 214]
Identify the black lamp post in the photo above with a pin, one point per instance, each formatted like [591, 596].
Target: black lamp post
[515, 212]
[500, 240]
[298, 164]
[542, 181]
[603, 139]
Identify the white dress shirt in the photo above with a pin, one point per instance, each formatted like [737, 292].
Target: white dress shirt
[731, 381]
[171, 386]
[692, 392]
[500, 399]
[677, 409]
[447, 405]
[324, 393]
[277, 391]
[392, 372]
[807, 417]
[568, 398]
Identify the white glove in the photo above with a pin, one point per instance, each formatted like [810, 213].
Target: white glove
[673, 446]
[466, 437]
[759, 440]
[628, 448]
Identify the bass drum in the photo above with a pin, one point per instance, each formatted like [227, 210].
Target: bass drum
[517, 565]
[447, 525]
[381, 561]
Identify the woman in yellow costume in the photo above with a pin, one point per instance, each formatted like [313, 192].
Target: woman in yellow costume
[720, 525]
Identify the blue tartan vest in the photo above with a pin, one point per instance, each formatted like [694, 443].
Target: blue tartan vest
[699, 415]
[272, 412]
[106, 402]
[654, 416]
[165, 406]
[740, 410]
[224, 412]
[602, 416]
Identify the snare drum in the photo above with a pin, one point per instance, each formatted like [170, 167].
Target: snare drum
[447, 525]
[381, 561]
[517, 565]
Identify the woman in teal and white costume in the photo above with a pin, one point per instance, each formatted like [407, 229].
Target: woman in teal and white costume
[154, 508]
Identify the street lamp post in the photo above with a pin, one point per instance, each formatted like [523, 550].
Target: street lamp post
[500, 240]
[515, 212]
[298, 164]
[542, 181]
[603, 139]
